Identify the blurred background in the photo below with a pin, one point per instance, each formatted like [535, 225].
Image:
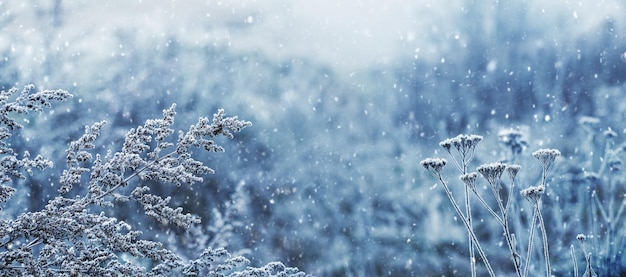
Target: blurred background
[346, 98]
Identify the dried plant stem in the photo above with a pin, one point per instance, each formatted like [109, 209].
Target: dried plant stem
[544, 236]
[491, 211]
[468, 212]
[509, 241]
[507, 232]
[574, 260]
[467, 226]
[530, 243]
[505, 226]
[537, 217]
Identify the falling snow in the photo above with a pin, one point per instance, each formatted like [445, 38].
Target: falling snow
[345, 97]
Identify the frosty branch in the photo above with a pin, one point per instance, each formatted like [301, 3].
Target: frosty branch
[69, 237]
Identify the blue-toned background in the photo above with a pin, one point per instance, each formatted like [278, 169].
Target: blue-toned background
[346, 98]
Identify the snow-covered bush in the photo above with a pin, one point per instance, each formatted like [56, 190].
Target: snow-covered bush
[74, 235]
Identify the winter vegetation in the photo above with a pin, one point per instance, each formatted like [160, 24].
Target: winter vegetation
[462, 149]
[72, 235]
[354, 165]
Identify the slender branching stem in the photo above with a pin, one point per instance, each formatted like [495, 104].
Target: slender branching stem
[530, 241]
[505, 225]
[491, 211]
[618, 216]
[507, 232]
[574, 260]
[467, 226]
[546, 253]
[502, 220]
[509, 241]
[603, 212]
[468, 212]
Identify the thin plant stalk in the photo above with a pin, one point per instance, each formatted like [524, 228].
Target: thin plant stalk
[574, 260]
[467, 226]
[530, 243]
[505, 217]
[468, 211]
[546, 253]
[546, 158]
[488, 208]
[505, 226]
[492, 173]
[465, 145]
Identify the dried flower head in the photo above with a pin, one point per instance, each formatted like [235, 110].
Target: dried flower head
[512, 170]
[469, 180]
[465, 145]
[581, 237]
[461, 142]
[546, 157]
[434, 165]
[492, 172]
[446, 144]
[590, 123]
[533, 193]
[609, 133]
[513, 140]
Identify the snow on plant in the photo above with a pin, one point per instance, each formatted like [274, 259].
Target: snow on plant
[605, 205]
[73, 236]
[465, 148]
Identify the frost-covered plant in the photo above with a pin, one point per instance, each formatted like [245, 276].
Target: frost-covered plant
[435, 166]
[10, 165]
[605, 202]
[465, 147]
[589, 272]
[514, 142]
[73, 235]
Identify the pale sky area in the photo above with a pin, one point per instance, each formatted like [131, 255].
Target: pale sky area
[348, 35]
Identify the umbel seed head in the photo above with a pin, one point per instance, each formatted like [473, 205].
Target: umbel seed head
[461, 142]
[492, 172]
[434, 165]
[546, 157]
[512, 170]
[469, 180]
[533, 193]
